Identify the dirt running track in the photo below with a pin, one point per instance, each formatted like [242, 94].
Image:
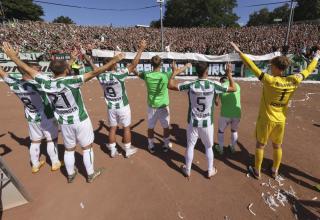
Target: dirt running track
[150, 186]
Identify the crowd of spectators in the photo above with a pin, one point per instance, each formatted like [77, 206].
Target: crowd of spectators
[53, 37]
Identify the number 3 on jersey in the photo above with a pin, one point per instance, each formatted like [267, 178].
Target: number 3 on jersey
[201, 105]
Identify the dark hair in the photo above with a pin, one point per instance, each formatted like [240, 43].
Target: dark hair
[281, 62]
[201, 68]
[156, 61]
[58, 66]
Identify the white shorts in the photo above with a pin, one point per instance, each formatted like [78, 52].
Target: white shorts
[80, 133]
[161, 114]
[120, 116]
[205, 134]
[224, 122]
[46, 129]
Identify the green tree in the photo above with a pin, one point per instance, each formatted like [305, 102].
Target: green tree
[282, 12]
[22, 9]
[63, 19]
[203, 13]
[307, 10]
[155, 24]
[264, 16]
[261, 17]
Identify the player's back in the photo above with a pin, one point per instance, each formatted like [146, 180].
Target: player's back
[157, 86]
[29, 94]
[277, 93]
[114, 89]
[201, 95]
[65, 96]
[231, 102]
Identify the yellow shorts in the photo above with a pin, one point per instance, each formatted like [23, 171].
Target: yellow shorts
[266, 129]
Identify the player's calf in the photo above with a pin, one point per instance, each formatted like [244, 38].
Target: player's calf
[34, 151]
[166, 140]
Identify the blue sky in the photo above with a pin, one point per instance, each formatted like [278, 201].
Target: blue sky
[92, 17]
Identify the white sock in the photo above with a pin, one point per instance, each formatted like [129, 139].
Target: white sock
[189, 157]
[52, 152]
[221, 139]
[69, 161]
[151, 142]
[34, 151]
[234, 138]
[166, 141]
[88, 160]
[111, 146]
[127, 145]
[209, 155]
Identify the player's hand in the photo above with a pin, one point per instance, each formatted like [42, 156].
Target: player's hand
[317, 53]
[119, 57]
[143, 45]
[235, 47]
[74, 54]
[9, 50]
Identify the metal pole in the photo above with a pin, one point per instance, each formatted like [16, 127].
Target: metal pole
[161, 20]
[289, 23]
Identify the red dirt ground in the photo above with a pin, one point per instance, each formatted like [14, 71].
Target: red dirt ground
[150, 186]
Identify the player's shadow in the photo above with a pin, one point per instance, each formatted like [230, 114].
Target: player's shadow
[243, 157]
[178, 137]
[304, 209]
[43, 151]
[140, 141]
[316, 125]
[4, 149]
[25, 141]
[101, 138]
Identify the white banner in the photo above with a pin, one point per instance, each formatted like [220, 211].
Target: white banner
[10, 67]
[23, 56]
[187, 56]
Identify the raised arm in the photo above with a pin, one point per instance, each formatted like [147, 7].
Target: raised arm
[3, 74]
[216, 100]
[13, 55]
[174, 84]
[96, 72]
[248, 62]
[133, 65]
[182, 69]
[232, 85]
[89, 60]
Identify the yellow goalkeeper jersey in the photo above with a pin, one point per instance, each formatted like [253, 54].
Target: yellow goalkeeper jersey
[277, 90]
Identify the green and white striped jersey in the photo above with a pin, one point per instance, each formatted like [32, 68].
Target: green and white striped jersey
[65, 96]
[201, 94]
[114, 88]
[36, 103]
